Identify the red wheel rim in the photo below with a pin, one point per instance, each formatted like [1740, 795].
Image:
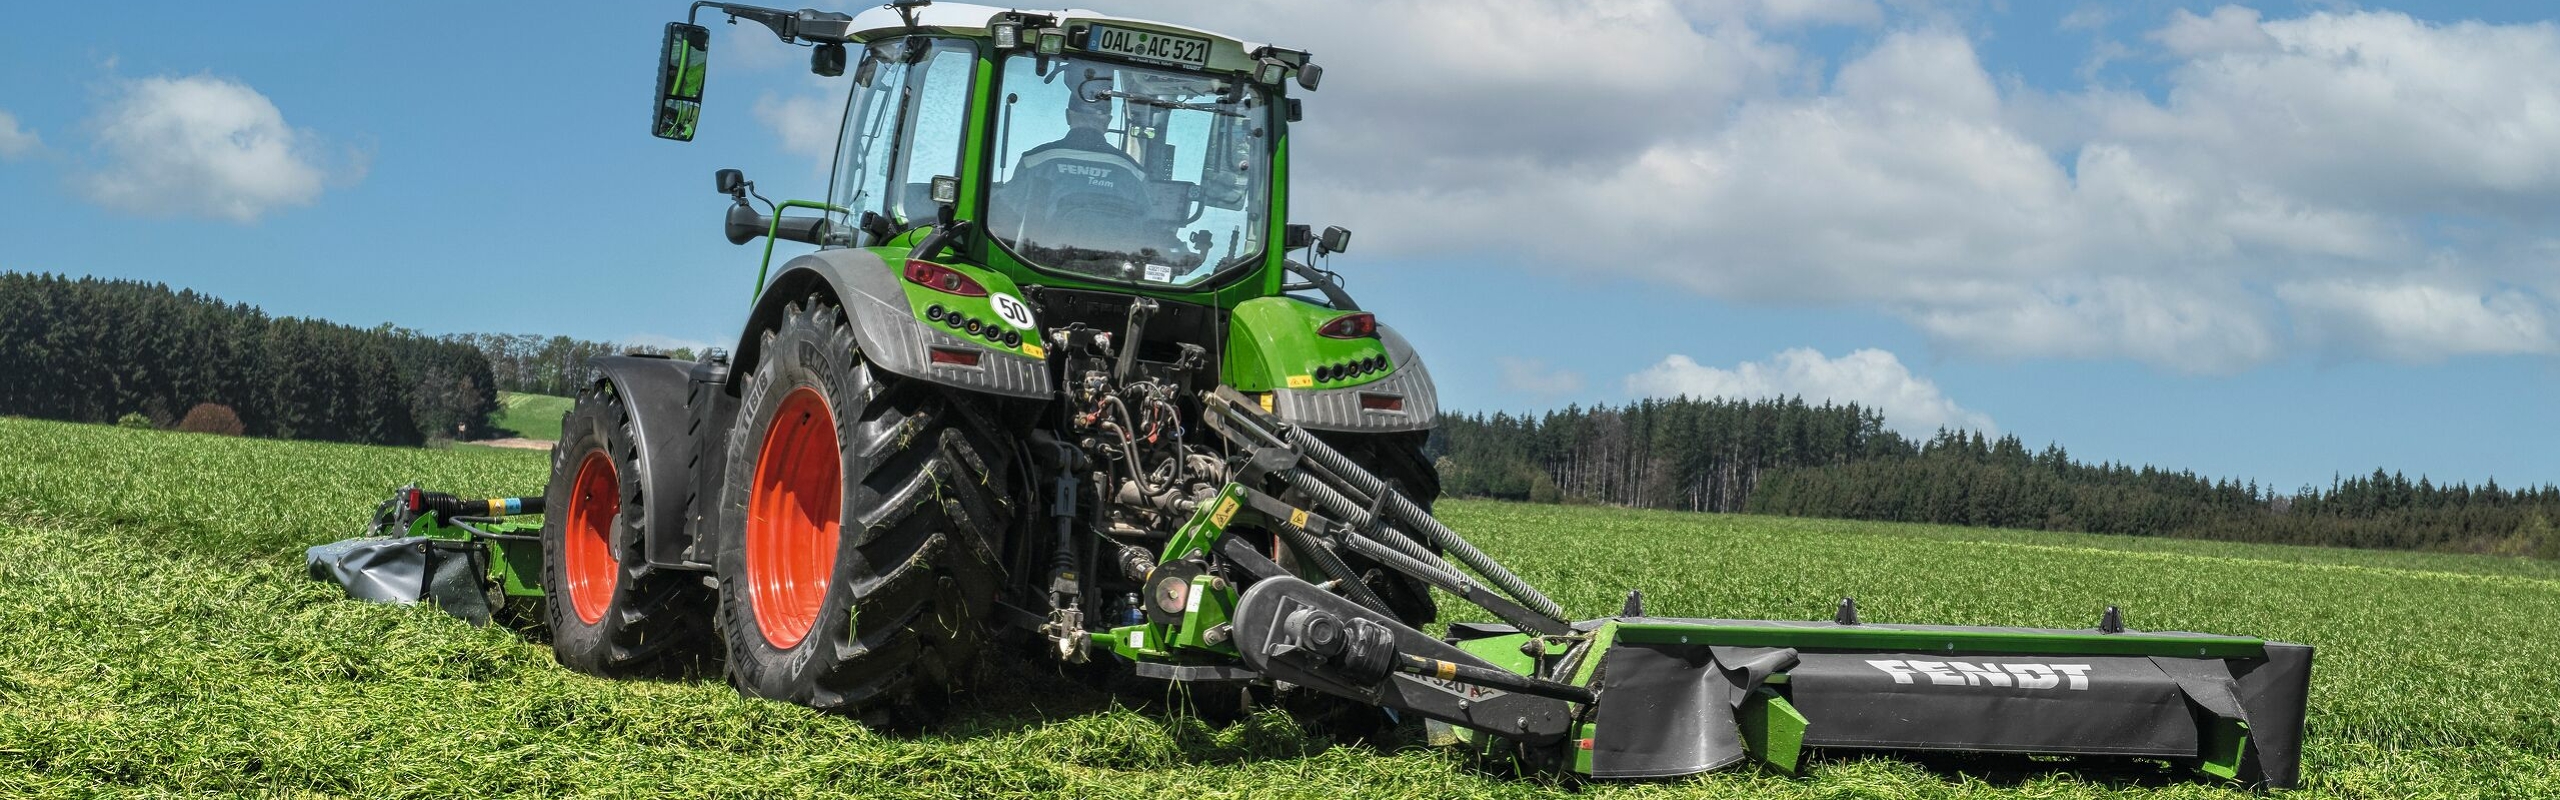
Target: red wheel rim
[792, 518]
[586, 547]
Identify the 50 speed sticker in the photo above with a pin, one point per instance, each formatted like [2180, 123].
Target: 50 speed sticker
[1012, 310]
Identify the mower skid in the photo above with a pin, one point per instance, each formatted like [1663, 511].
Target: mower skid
[1681, 696]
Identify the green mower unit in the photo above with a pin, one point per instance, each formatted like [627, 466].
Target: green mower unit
[1053, 376]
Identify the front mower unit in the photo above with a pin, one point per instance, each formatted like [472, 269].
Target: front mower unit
[1636, 696]
[467, 556]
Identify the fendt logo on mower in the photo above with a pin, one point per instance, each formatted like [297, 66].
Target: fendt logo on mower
[1958, 673]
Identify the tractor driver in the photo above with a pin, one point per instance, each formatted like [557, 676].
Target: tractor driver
[1079, 191]
[1086, 121]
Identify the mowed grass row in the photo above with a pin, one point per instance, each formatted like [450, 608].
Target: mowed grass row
[157, 636]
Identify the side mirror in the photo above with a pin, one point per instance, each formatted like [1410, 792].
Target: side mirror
[1297, 237]
[827, 60]
[1336, 240]
[681, 60]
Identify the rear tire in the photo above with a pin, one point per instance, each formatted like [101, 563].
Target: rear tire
[606, 611]
[1396, 458]
[862, 517]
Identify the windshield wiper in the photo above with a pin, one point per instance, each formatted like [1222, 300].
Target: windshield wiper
[1151, 100]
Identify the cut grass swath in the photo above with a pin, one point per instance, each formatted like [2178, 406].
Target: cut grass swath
[157, 636]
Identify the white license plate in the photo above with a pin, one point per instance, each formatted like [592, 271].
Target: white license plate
[1147, 45]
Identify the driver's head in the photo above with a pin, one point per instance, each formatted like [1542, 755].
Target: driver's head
[1085, 114]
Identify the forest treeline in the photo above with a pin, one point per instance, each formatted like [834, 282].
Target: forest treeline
[552, 365]
[95, 350]
[1792, 458]
[92, 350]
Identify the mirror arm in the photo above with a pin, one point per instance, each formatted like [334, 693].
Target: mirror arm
[1321, 281]
[784, 24]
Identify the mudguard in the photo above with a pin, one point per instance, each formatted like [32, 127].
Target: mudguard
[888, 319]
[1275, 354]
[653, 391]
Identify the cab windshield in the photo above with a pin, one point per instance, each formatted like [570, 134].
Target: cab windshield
[1129, 174]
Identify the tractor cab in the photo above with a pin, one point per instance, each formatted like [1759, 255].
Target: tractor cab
[1059, 148]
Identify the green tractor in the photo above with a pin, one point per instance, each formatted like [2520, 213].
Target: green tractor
[1052, 378]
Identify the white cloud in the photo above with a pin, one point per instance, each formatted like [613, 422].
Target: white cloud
[202, 146]
[1672, 142]
[806, 123]
[1873, 378]
[2421, 322]
[14, 141]
[1537, 379]
[1791, 13]
[2230, 29]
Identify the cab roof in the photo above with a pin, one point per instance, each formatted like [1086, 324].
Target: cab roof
[880, 22]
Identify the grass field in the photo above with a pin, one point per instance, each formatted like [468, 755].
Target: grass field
[157, 637]
[531, 416]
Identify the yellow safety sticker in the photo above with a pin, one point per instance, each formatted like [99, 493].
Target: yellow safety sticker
[1266, 402]
[1034, 351]
[1297, 518]
[1301, 381]
[1226, 511]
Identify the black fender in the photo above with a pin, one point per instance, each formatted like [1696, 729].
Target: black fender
[874, 298]
[653, 391]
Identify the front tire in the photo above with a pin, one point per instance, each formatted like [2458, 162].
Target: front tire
[862, 515]
[608, 613]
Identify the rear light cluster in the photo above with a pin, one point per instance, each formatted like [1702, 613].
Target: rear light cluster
[1352, 369]
[943, 279]
[1362, 325]
[960, 323]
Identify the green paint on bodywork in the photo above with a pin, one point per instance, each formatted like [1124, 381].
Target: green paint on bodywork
[1504, 652]
[982, 309]
[515, 566]
[1213, 603]
[2226, 744]
[1206, 524]
[1272, 344]
[1880, 639]
[1582, 748]
[1773, 731]
[1601, 640]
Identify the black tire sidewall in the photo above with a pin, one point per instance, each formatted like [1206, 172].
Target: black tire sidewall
[594, 424]
[812, 348]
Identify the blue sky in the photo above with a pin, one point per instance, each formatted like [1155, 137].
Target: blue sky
[2276, 241]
